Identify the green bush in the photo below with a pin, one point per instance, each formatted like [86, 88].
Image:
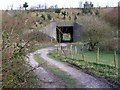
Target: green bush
[49, 16]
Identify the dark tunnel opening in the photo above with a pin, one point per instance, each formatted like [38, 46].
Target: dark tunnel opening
[64, 34]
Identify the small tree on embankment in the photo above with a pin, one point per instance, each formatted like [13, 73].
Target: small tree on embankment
[96, 31]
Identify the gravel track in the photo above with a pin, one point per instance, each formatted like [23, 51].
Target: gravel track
[82, 78]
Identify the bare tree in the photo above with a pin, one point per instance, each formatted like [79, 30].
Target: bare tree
[39, 6]
[56, 6]
[119, 4]
[80, 4]
[45, 6]
[11, 6]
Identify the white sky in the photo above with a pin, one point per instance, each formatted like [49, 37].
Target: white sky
[5, 4]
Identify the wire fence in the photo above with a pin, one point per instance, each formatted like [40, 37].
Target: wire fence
[80, 52]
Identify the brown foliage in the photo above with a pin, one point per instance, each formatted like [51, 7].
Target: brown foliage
[15, 47]
[96, 31]
[110, 15]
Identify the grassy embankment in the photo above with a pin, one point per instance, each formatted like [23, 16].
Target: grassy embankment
[104, 67]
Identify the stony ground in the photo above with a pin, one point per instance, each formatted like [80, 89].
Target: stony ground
[46, 78]
[82, 78]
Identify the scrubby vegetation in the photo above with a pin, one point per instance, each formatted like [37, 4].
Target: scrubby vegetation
[20, 36]
[110, 15]
[17, 41]
[96, 31]
[89, 65]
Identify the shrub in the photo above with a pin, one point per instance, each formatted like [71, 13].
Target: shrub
[43, 16]
[49, 16]
[14, 49]
[97, 31]
[39, 37]
[57, 11]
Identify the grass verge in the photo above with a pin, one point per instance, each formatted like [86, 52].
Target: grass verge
[69, 81]
[101, 70]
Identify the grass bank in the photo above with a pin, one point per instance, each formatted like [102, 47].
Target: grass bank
[102, 70]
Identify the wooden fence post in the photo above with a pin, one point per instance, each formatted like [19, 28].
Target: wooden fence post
[83, 57]
[57, 51]
[71, 49]
[97, 55]
[115, 58]
[75, 50]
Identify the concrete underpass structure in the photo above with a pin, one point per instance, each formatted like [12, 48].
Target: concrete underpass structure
[64, 31]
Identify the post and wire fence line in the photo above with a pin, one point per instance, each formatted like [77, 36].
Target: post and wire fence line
[74, 53]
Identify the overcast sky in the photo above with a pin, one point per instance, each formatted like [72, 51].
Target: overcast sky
[6, 4]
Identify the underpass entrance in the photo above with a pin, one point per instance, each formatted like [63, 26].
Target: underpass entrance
[64, 33]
